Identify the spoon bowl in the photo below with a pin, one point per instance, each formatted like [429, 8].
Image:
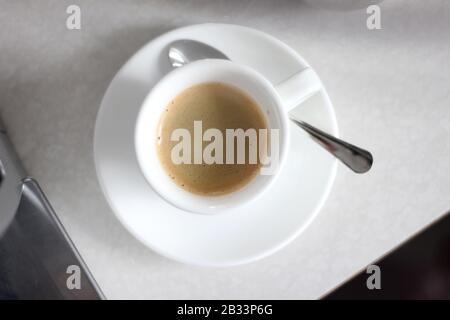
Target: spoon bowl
[182, 52]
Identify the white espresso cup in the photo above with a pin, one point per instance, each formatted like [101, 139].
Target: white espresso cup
[275, 103]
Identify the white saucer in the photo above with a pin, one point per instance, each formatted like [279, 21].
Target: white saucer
[238, 236]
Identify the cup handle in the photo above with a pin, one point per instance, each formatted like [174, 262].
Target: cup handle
[298, 88]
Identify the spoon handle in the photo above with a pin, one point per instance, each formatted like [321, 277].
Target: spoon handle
[357, 159]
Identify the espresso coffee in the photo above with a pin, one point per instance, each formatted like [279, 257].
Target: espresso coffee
[211, 105]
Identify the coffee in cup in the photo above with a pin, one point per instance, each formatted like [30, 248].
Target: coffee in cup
[197, 110]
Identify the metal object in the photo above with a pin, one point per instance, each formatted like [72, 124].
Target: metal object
[37, 257]
[182, 52]
[357, 159]
[11, 176]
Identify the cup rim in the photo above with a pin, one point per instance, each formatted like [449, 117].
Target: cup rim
[139, 145]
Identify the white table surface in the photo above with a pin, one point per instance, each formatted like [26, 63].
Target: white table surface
[391, 92]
